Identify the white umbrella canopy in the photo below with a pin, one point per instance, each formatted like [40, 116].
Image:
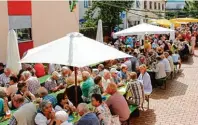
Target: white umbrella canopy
[144, 28]
[73, 50]
[13, 57]
[99, 35]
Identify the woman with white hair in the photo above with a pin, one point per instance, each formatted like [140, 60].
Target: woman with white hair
[62, 118]
[46, 115]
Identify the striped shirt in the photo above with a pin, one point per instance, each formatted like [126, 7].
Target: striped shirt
[33, 84]
[135, 92]
[4, 80]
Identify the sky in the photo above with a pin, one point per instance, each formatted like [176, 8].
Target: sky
[175, 4]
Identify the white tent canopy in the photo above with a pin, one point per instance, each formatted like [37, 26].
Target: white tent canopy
[74, 50]
[13, 57]
[142, 29]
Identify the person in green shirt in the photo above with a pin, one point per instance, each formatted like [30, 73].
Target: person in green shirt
[86, 86]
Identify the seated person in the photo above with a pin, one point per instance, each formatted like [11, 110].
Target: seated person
[134, 91]
[102, 110]
[39, 69]
[115, 101]
[97, 88]
[63, 104]
[116, 79]
[24, 115]
[144, 77]
[87, 117]
[12, 89]
[4, 109]
[166, 64]
[5, 77]
[101, 69]
[43, 93]
[70, 91]
[62, 118]
[51, 84]
[31, 81]
[123, 72]
[16, 102]
[86, 85]
[159, 70]
[106, 79]
[45, 115]
[176, 59]
[65, 73]
[23, 90]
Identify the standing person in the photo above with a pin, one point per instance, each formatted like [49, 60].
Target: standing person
[193, 43]
[176, 59]
[116, 101]
[25, 114]
[146, 80]
[101, 70]
[87, 117]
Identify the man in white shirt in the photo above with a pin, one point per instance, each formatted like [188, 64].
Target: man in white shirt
[166, 64]
[159, 69]
[106, 79]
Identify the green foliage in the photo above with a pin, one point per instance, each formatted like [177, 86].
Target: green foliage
[191, 7]
[110, 15]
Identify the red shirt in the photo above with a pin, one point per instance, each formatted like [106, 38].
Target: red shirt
[40, 70]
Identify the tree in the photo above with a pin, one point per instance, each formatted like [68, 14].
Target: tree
[191, 8]
[107, 11]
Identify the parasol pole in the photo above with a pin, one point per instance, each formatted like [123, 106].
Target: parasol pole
[76, 86]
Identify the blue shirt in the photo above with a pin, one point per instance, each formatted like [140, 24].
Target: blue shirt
[175, 57]
[122, 75]
[89, 119]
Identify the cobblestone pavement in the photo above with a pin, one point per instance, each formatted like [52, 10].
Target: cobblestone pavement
[178, 104]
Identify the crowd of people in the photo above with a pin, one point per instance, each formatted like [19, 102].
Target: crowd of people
[156, 53]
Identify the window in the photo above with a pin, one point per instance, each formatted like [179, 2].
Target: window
[137, 4]
[145, 4]
[22, 26]
[155, 5]
[162, 6]
[24, 34]
[159, 6]
[150, 4]
[87, 3]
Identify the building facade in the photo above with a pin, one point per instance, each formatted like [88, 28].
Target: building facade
[36, 23]
[146, 9]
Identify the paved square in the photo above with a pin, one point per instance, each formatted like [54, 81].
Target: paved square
[178, 104]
